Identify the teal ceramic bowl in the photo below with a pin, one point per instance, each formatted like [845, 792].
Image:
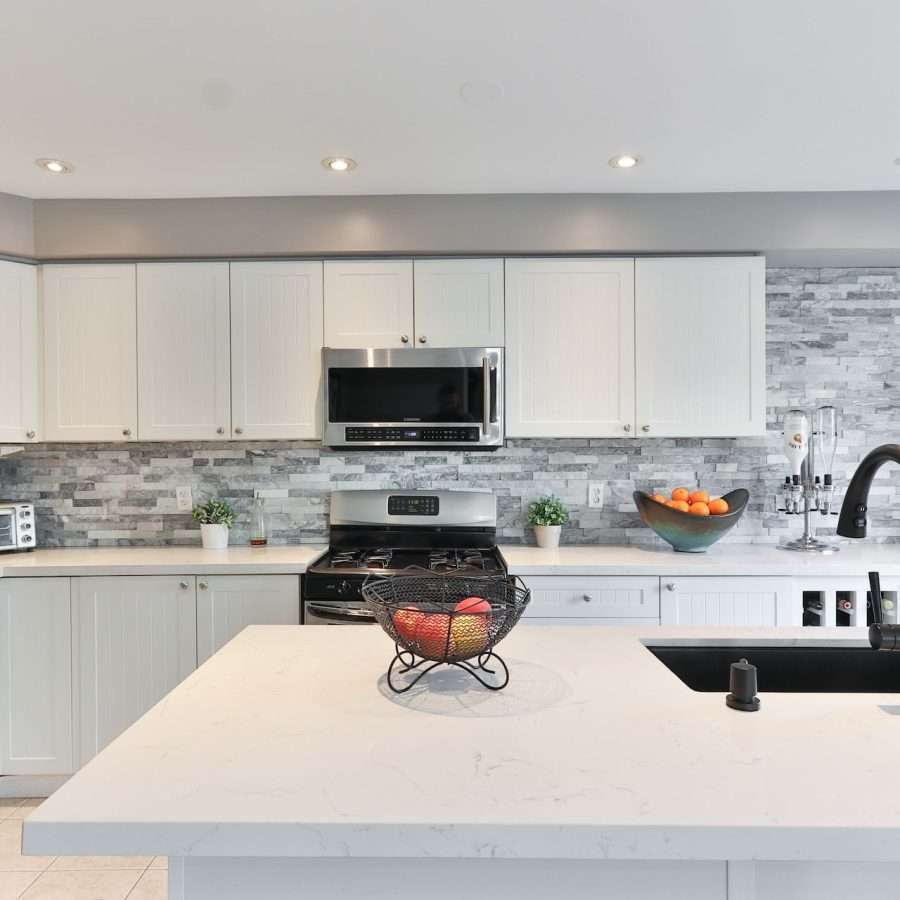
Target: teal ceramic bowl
[688, 533]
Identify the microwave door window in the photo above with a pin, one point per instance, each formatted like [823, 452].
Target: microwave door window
[452, 394]
[6, 530]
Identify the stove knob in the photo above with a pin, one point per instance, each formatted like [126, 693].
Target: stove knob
[344, 587]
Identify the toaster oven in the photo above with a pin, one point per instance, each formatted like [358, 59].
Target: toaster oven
[17, 527]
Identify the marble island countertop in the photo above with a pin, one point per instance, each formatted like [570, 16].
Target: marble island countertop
[287, 744]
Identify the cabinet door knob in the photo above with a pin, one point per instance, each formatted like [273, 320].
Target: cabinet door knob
[203, 585]
[645, 427]
[404, 338]
[220, 430]
[183, 585]
[238, 430]
[423, 339]
[126, 432]
[29, 435]
[670, 586]
[587, 598]
[627, 428]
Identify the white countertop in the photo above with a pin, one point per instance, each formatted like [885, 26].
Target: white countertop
[159, 561]
[286, 743]
[855, 558]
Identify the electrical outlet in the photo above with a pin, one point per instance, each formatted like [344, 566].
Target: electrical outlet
[184, 499]
[596, 494]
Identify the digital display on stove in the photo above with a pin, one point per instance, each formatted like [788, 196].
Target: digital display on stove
[404, 505]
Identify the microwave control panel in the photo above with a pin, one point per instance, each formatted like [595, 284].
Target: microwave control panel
[433, 434]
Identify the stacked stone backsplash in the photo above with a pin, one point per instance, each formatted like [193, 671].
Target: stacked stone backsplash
[833, 337]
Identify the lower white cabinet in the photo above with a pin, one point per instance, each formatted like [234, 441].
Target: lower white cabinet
[135, 638]
[226, 604]
[762, 600]
[35, 677]
[572, 599]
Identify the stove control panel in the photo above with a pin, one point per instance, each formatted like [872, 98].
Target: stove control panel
[454, 434]
[419, 505]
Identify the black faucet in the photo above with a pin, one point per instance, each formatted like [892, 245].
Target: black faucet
[852, 524]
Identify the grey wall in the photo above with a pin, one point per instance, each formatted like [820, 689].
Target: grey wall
[847, 228]
[16, 226]
[832, 337]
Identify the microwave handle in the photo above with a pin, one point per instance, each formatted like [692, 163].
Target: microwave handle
[486, 368]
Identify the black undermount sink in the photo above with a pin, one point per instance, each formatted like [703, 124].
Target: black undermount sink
[786, 670]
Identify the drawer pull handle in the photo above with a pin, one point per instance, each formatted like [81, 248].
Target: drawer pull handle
[587, 598]
[670, 586]
[203, 585]
[183, 585]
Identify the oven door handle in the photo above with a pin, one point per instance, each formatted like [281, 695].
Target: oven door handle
[338, 613]
[486, 370]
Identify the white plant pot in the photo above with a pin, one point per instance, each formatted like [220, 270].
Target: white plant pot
[547, 536]
[214, 537]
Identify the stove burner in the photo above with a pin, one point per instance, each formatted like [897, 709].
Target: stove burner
[346, 559]
[378, 559]
[452, 560]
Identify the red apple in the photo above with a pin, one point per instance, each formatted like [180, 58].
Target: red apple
[470, 633]
[406, 621]
[433, 635]
[474, 605]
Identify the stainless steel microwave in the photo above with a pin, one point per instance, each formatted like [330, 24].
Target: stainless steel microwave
[414, 398]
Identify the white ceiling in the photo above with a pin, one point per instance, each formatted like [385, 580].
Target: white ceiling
[224, 97]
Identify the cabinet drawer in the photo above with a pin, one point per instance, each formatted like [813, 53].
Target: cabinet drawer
[591, 598]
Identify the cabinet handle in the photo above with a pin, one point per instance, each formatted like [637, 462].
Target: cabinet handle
[645, 427]
[29, 435]
[587, 598]
[183, 585]
[238, 430]
[203, 585]
[126, 432]
[627, 428]
[423, 339]
[404, 338]
[220, 430]
[670, 586]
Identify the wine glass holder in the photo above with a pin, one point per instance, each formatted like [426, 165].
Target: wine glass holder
[417, 611]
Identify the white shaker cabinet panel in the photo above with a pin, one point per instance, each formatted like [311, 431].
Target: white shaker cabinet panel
[136, 639]
[90, 352]
[590, 597]
[763, 600]
[459, 303]
[369, 303]
[35, 677]
[701, 336]
[226, 604]
[276, 349]
[570, 347]
[184, 386]
[20, 409]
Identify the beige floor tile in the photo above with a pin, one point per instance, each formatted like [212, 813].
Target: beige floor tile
[112, 884]
[11, 859]
[160, 862]
[154, 885]
[80, 863]
[13, 883]
[25, 809]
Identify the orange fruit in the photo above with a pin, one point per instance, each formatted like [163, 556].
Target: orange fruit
[679, 504]
[718, 507]
[699, 497]
[698, 509]
[659, 498]
[681, 494]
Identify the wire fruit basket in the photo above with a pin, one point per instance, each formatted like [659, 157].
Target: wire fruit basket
[454, 620]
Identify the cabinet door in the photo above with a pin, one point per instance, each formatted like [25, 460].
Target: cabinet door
[701, 334]
[369, 303]
[20, 413]
[726, 601]
[226, 604]
[136, 638]
[184, 388]
[587, 597]
[459, 302]
[276, 349]
[90, 353]
[35, 677]
[569, 347]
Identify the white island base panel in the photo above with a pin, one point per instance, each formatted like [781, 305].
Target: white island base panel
[284, 767]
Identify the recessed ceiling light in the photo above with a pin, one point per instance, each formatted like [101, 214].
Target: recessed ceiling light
[56, 166]
[339, 163]
[625, 161]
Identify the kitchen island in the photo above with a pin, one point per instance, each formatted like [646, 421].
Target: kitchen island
[283, 766]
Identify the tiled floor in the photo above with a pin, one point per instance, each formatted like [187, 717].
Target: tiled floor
[71, 877]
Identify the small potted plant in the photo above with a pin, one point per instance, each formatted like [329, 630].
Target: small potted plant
[215, 518]
[547, 515]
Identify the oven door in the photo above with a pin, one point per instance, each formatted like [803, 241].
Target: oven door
[410, 398]
[326, 612]
[8, 528]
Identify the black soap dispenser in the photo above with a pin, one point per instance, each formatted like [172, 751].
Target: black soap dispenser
[742, 682]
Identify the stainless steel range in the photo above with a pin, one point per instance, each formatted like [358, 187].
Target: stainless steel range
[392, 533]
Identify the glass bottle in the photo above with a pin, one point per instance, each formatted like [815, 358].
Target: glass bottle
[258, 522]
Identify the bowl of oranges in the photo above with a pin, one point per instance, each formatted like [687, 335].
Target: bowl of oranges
[691, 521]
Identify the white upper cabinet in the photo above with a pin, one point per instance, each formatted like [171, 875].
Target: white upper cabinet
[276, 350]
[369, 303]
[701, 337]
[459, 303]
[184, 386]
[90, 347]
[20, 411]
[570, 347]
